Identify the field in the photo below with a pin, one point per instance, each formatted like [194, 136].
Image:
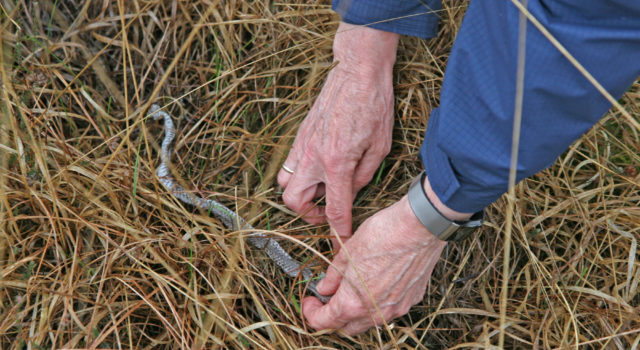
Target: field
[94, 253]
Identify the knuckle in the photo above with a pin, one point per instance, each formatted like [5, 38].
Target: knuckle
[351, 307]
[362, 179]
[403, 310]
[418, 297]
[382, 147]
[332, 165]
[314, 323]
[334, 212]
[386, 146]
[290, 201]
[338, 162]
[382, 150]
[385, 315]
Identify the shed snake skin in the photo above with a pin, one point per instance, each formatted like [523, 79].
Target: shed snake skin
[227, 216]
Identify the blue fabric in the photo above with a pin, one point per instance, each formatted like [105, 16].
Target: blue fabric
[409, 17]
[466, 151]
[467, 146]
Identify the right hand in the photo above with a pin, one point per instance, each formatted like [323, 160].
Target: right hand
[347, 132]
[393, 254]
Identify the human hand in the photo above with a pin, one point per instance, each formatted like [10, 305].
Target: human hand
[347, 132]
[394, 255]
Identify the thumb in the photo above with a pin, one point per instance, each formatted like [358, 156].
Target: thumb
[331, 281]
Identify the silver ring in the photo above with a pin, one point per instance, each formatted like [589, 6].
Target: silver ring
[287, 169]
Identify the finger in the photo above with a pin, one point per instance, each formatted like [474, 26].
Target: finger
[300, 200]
[337, 244]
[284, 177]
[302, 188]
[366, 168]
[366, 321]
[331, 281]
[291, 162]
[322, 316]
[357, 327]
[339, 199]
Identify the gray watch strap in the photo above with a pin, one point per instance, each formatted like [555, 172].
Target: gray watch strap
[430, 217]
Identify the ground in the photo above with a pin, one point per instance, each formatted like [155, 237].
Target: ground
[95, 253]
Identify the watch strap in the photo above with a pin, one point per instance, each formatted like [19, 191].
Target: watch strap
[433, 220]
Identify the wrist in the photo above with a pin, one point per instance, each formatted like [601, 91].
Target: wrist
[441, 207]
[409, 218]
[364, 50]
[455, 226]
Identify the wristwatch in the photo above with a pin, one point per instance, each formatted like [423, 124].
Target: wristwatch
[434, 221]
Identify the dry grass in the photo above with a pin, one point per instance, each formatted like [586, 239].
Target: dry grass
[94, 252]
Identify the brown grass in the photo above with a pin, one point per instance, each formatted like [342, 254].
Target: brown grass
[95, 253]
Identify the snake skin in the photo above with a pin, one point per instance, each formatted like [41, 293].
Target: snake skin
[228, 217]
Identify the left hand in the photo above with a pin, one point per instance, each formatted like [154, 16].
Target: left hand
[394, 254]
[347, 132]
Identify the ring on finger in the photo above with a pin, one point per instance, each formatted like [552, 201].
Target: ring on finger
[287, 169]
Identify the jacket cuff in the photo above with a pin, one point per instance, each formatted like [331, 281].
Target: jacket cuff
[451, 188]
[414, 18]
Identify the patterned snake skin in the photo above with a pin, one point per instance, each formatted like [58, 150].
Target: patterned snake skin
[228, 217]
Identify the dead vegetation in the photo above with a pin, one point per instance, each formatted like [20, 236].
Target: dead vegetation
[95, 253]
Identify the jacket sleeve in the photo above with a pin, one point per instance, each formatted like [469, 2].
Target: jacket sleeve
[466, 152]
[409, 17]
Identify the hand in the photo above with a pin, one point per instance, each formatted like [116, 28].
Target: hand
[394, 254]
[347, 132]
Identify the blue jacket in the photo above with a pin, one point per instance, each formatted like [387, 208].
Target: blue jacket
[466, 151]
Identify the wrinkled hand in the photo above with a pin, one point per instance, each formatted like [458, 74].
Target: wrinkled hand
[394, 255]
[347, 133]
